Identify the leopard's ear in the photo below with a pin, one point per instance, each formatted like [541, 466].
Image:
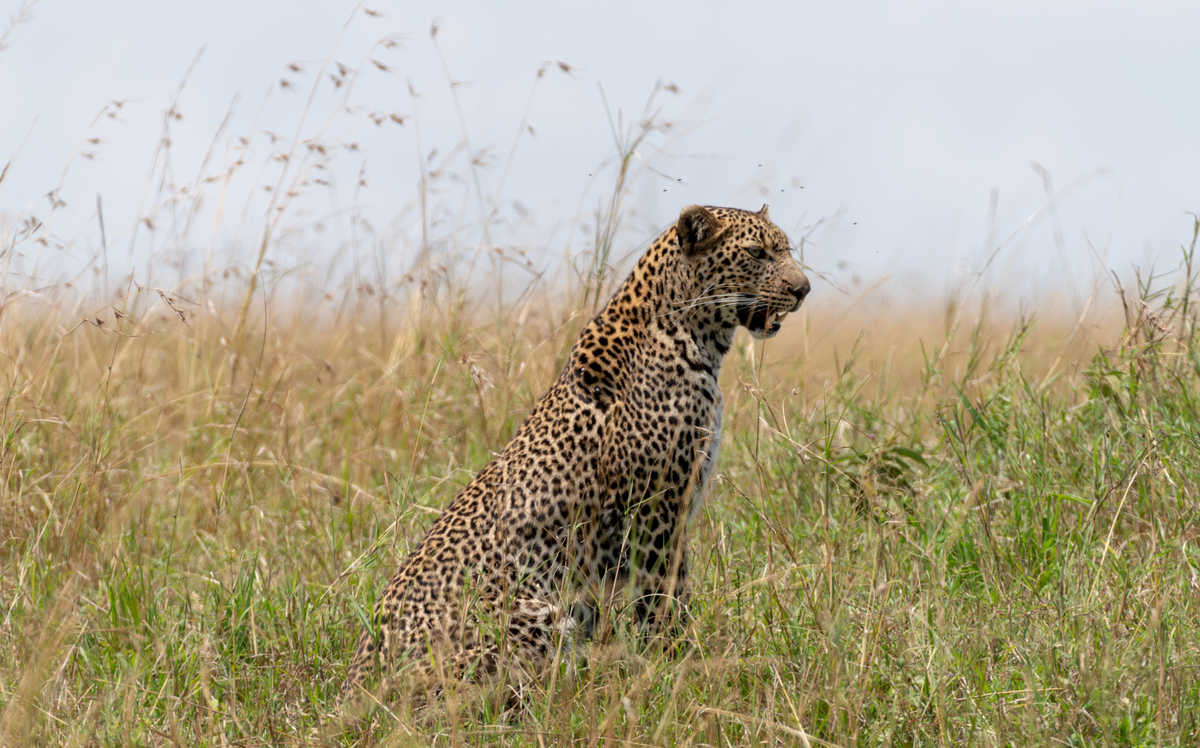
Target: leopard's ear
[697, 228]
[762, 213]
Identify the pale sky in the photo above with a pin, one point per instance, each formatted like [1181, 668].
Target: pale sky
[879, 130]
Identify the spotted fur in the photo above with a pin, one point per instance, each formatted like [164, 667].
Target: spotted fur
[590, 499]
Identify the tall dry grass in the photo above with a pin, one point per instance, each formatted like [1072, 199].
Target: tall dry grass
[984, 535]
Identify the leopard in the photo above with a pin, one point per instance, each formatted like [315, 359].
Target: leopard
[589, 504]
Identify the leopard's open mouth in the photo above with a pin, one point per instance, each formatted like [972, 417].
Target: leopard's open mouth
[761, 320]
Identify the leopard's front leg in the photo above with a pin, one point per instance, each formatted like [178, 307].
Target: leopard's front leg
[661, 591]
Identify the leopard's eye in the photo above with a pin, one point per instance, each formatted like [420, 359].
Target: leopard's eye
[757, 253]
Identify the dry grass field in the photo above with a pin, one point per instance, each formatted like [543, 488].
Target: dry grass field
[925, 527]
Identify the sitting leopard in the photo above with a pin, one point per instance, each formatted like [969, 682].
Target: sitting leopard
[591, 498]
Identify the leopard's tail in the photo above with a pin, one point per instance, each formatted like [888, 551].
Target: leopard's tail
[365, 661]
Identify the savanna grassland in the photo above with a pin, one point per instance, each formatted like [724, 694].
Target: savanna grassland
[935, 531]
[931, 523]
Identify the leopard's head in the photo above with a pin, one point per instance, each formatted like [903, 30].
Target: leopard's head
[740, 267]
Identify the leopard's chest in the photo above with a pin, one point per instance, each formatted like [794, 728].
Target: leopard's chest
[692, 447]
[711, 448]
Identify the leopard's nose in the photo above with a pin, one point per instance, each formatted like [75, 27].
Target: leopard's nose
[800, 289]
